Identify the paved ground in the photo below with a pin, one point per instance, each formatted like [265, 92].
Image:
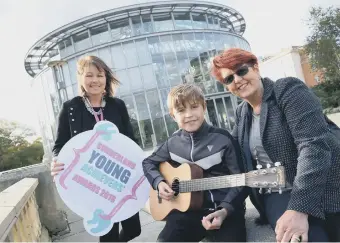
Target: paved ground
[151, 229]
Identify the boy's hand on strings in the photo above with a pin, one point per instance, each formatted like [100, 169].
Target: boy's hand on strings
[165, 192]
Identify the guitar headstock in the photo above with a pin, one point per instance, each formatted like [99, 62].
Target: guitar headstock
[270, 177]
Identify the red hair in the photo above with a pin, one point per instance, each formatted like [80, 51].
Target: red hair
[231, 58]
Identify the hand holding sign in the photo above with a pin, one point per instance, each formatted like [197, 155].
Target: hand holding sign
[103, 179]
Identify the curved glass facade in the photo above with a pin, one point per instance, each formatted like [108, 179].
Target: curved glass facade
[149, 53]
[141, 25]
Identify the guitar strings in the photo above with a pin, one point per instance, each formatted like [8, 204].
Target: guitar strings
[210, 182]
[201, 184]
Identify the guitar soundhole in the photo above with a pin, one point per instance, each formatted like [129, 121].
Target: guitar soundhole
[175, 187]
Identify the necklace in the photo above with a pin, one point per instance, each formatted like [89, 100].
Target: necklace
[90, 108]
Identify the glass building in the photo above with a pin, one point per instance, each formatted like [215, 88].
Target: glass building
[151, 47]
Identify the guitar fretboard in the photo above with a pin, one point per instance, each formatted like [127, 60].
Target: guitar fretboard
[212, 183]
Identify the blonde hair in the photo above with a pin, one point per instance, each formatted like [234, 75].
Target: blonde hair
[111, 82]
[183, 93]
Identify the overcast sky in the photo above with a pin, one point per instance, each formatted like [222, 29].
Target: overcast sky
[271, 26]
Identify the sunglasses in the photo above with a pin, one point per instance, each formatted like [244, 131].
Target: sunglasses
[243, 70]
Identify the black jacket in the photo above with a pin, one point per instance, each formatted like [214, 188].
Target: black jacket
[74, 118]
[294, 131]
[214, 150]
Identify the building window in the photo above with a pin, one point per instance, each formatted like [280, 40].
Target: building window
[118, 57]
[163, 22]
[105, 55]
[157, 116]
[124, 87]
[120, 29]
[209, 38]
[224, 24]
[170, 60]
[66, 47]
[137, 25]
[212, 22]
[230, 41]
[205, 62]
[147, 24]
[219, 42]
[81, 41]
[182, 59]
[160, 71]
[100, 34]
[61, 47]
[170, 123]
[130, 54]
[148, 76]
[201, 43]
[143, 52]
[146, 130]
[189, 42]
[128, 100]
[182, 21]
[48, 75]
[135, 79]
[154, 45]
[71, 65]
[199, 21]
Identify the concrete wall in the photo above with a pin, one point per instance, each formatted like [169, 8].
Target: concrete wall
[19, 216]
[51, 211]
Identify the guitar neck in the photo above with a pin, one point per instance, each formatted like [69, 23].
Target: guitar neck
[212, 183]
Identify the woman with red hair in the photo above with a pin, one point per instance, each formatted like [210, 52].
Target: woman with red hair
[283, 122]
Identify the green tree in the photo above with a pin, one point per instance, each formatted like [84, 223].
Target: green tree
[15, 148]
[323, 49]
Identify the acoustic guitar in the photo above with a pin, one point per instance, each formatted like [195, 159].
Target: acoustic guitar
[188, 184]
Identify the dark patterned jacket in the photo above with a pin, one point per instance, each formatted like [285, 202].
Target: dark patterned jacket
[294, 131]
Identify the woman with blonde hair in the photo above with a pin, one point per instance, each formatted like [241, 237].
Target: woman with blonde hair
[95, 103]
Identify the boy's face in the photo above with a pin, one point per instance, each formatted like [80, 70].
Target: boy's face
[190, 117]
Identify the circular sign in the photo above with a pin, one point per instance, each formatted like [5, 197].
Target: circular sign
[103, 179]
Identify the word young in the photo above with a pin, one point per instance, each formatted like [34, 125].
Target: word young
[110, 167]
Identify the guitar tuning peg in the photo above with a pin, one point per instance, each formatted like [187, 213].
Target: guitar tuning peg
[280, 190]
[264, 172]
[268, 165]
[260, 191]
[269, 190]
[258, 167]
[277, 164]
